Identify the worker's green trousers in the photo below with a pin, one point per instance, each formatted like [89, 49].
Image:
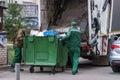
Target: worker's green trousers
[74, 56]
[17, 56]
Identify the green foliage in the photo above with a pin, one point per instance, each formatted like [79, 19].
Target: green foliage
[12, 20]
[10, 54]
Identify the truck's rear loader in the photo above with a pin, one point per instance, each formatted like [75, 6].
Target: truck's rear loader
[99, 19]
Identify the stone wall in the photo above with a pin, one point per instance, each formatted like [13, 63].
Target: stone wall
[3, 55]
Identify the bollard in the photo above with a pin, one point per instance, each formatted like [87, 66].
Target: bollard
[17, 71]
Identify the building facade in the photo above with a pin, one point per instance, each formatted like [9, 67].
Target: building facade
[3, 40]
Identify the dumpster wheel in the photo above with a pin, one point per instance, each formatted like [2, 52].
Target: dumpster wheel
[62, 68]
[53, 70]
[31, 69]
[41, 69]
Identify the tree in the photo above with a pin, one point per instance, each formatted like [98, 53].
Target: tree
[12, 20]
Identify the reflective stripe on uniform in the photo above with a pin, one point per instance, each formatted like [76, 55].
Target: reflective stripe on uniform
[75, 30]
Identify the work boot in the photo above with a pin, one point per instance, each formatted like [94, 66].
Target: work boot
[12, 68]
[73, 73]
[21, 69]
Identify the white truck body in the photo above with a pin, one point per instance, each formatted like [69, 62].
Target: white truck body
[106, 12]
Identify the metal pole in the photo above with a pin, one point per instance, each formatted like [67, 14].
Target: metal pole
[17, 71]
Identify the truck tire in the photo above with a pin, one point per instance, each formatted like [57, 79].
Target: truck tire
[101, 60]
[115, 69]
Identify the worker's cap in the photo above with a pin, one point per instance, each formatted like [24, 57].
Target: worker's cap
[73, 23]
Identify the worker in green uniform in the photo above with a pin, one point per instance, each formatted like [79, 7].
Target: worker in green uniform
[18, 45]
[73, 43]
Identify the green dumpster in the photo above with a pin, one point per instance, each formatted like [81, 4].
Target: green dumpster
[44, 51]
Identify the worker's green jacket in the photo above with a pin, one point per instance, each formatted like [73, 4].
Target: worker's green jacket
[73, 37]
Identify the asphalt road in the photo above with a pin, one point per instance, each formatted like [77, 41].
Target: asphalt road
[87, 71]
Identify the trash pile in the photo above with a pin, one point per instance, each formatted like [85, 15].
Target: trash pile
[46, 33]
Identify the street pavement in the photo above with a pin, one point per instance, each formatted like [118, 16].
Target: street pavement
[87, 71]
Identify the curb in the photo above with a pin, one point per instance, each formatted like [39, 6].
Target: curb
[4, 67]
[7, 66]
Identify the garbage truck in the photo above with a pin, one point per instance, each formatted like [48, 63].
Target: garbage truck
[97, 20]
